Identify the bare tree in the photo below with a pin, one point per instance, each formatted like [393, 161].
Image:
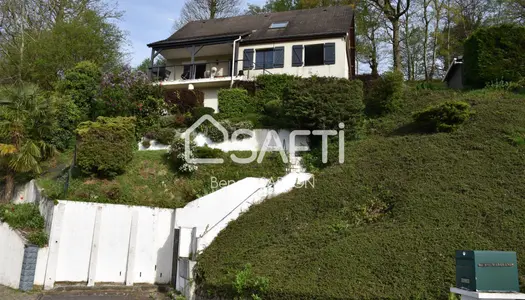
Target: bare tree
[207, 9]
[393, 11]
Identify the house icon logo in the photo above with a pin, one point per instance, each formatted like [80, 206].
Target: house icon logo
[187, 140]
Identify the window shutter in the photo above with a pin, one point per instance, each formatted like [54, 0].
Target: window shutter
[247, 63]
[297, 56]
[329, 53]
[278, 57]
[259, 60]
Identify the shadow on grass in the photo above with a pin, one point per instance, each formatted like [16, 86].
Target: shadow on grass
[410, 129]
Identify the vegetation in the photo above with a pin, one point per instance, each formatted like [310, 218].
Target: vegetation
[323, 103]
[445, 117]
[27, 219]
[384, 94]
[26, 119]
[234, 103]
[106, 146]
[386, 223]
[151, 179]
[494, 53]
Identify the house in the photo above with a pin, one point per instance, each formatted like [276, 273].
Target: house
[454, 76]
[212, 54]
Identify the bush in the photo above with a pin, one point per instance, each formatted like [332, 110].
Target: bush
[178, 157]
[174, 121]
[234, 103]
[445, 117]
[183, 101]
[270, 88]
[322, 103]
[216, 136]
[82, 84]
[164, 135]
[106, 146]
[494, 53]
[207, 152]
[199, 112]
[383, 95]
[22, 216]
[68, 116]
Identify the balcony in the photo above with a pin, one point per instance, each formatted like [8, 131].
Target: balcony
[203, 74]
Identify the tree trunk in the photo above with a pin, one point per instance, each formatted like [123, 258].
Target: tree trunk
[395, 45]
[9, 187]
[213, 9]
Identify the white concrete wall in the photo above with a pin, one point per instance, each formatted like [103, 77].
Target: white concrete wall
[41, 265]
[339, 69]
[211, 98]
[11, 256]
[105, 243]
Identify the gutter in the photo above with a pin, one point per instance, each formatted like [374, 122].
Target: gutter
[233, 58]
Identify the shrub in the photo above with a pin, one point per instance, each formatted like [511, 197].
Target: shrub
[68, 116]
[445, 117]
[199, 112]
[494, 53]
[146, 144]
[207, 152]
[384, 94]
[164, 135]
[183, 101]
[322, 103]
[273, 108]
[82, 84]
[22, 216]
[178, 157]
[174, 121]
[106, 146]
[234, 103]
[270, 88]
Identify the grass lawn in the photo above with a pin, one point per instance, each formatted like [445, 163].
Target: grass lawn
[150, 181]
[386, 224]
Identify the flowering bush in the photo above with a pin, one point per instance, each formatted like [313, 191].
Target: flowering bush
[178, 157]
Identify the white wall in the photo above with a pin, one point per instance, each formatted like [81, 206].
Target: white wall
[339, 69]
[106, 243]
[41, 265]
[211, 98]
[11, 256]
[176, 66]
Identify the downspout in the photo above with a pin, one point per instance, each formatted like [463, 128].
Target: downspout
[234, 58]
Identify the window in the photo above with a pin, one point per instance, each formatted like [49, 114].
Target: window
[264, 59]
[278, 25]
[314, 55]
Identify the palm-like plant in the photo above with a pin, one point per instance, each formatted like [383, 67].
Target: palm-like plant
[25, 118]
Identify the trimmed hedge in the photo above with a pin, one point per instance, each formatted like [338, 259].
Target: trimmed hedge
[445, 117]
[494, 54]
[383, 95]
[106, 146]
[234, 103]
[322, 103]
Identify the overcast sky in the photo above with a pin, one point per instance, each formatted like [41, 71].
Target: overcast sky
[147, 21]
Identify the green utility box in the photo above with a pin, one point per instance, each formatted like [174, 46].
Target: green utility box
[487, 271]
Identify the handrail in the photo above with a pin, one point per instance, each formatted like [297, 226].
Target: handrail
[269, 184]
[165, 71]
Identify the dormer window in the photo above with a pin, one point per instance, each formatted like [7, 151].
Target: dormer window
[279, 25]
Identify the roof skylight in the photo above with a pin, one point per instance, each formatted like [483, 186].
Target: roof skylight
[279, 25]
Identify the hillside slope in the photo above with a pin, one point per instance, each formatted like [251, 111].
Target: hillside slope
[431, 194]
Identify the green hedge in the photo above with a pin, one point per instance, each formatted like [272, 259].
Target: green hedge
[383, 95]
[322, 103]
[105, 146]
[493, 54]
[183, 101]
[234, 103]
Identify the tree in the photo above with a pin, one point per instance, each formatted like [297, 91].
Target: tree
[272, 6]
[207, 9]
[369, 35]
[25, 119]
[146, 64]
[393, 11]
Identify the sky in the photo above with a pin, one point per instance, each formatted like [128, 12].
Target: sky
[147, 21]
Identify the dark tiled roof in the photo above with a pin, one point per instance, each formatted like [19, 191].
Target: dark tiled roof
[302, 23]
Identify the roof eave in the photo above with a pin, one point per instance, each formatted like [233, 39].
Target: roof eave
[174, 44]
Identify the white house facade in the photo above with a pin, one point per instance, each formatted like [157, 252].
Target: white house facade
[213, 54]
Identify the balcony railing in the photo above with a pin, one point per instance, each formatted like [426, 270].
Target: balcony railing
[183, 72]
